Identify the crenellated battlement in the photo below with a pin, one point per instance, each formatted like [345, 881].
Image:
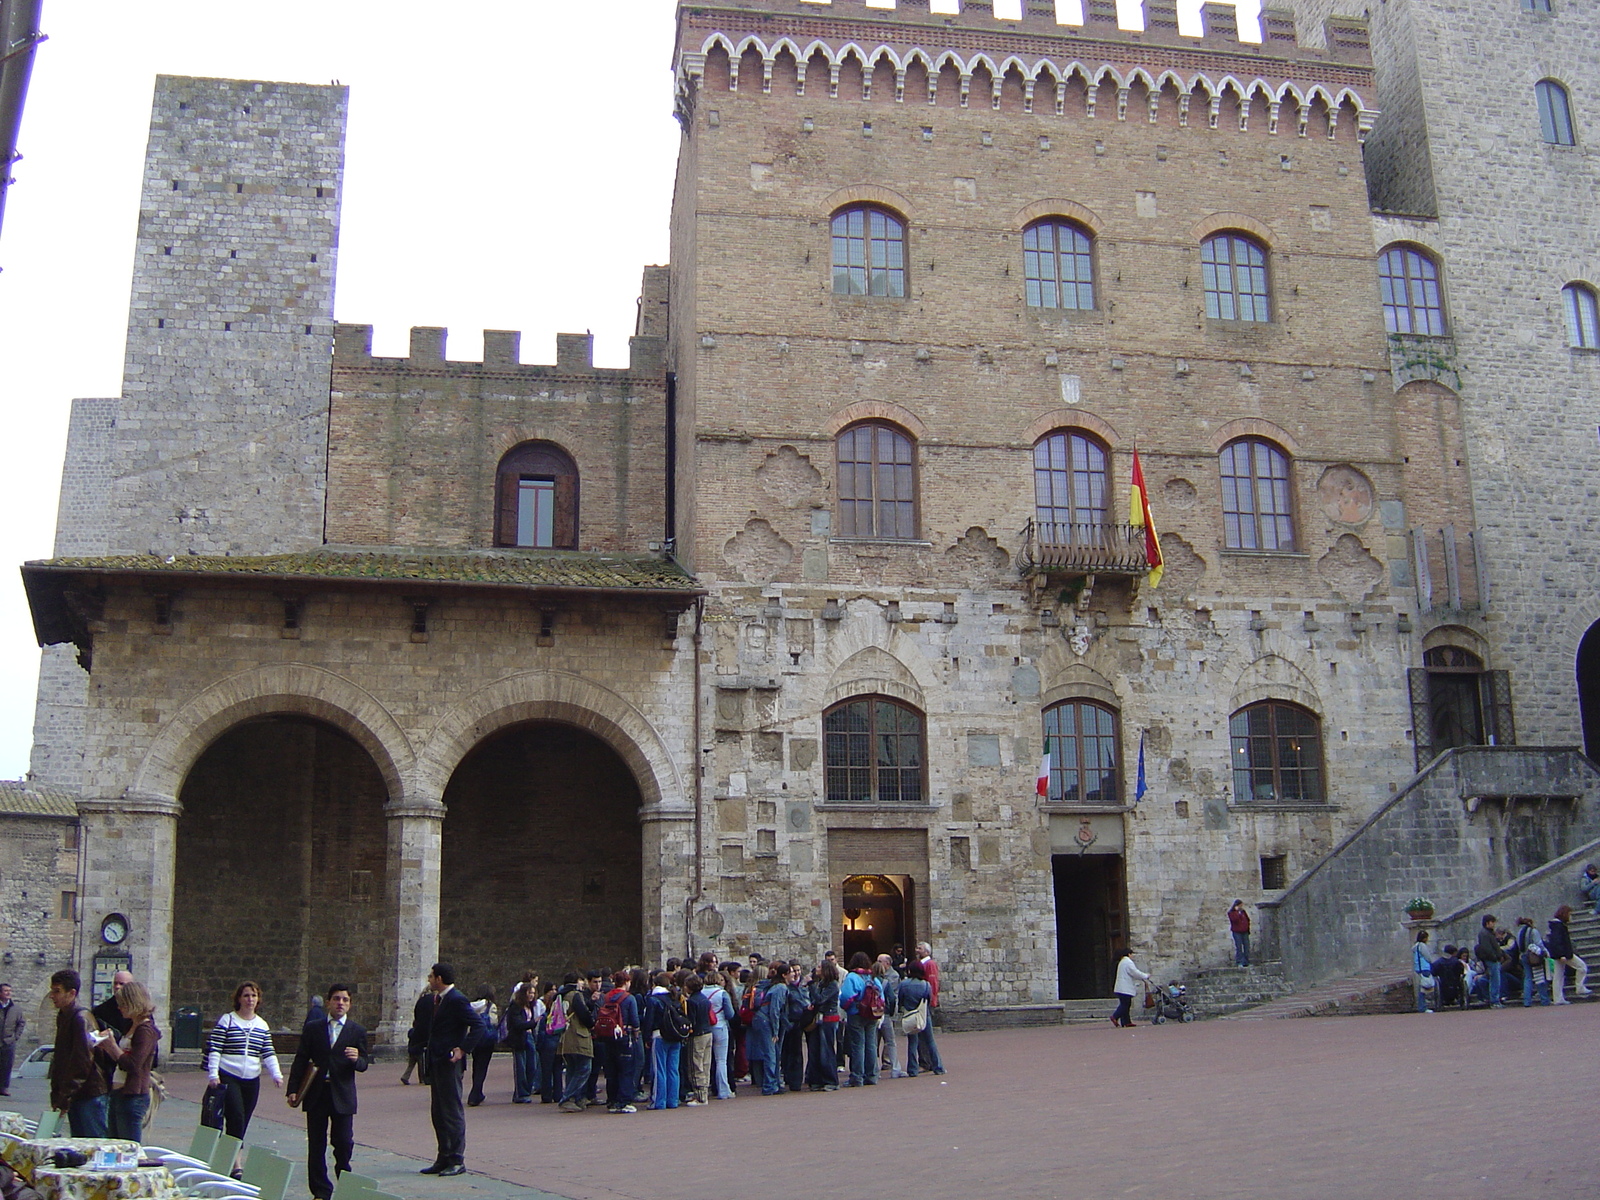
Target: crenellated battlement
[975, 48]
[352, 350]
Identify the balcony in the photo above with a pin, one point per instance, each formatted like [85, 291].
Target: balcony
[1082, 548]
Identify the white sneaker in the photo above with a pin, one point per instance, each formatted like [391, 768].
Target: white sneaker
[693, 1103]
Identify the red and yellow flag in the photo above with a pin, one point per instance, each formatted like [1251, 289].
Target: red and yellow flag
[1139, 518]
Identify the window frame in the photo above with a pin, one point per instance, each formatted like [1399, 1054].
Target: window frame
[846, 500]
[895, 224]
[537, 461]
[1583, 323]
[874, 746]
[1316, 769]
[1408, 306]
[1056, 790]
[1033, 280]
[1214, 295]
[1551, 123]
[1287, 517]
[1048, 472]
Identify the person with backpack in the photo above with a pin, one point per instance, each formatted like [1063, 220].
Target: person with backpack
[766, 1027]
[721, 1005]
[521, 1022]
[1530, 950]
[488, 1014]
[889, 980]
[616, 1026]
[823, 1037]
[1422, 971]
[671, 1027]
[547, 1041]
[744, 1013]
[916, 1011]
[577, 1042]
[697, 1049]
[862, 1001]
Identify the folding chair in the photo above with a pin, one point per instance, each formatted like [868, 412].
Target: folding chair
[48, 1125]
[200, 1148]
[351, 1186]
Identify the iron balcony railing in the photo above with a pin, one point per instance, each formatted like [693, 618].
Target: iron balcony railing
[1088, 547]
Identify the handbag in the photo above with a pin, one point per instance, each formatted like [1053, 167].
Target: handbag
[916, 1020]
[212, 1106]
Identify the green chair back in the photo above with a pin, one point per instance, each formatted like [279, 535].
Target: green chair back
[203, 1143]
[352, 1185]
[257, 1162]
[272, 1175]
[220, 1160]
[49, 1123]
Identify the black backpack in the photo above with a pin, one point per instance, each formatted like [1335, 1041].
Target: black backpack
[799, 1009]
[675, 1024]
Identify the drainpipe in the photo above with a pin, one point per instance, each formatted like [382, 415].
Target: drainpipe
[699, 793]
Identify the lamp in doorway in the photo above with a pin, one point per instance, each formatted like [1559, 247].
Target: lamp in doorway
[851, 916]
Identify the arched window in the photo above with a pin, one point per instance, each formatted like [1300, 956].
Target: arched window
[1555, 114]
[536, 498]
[1583, 316]
[1456, 686]
[874, 751]
[1080, 736]
[877, 482]
[1277, 753]
[1412, 302]
[1234, 269]
[1058, 264]
[1070, 490]
[869, 252]
[1257, 511]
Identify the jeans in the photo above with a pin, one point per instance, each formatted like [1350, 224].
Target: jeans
[579, 1067]
[920, 1048]
[525, 1066]
[127, 1115]
[890, 1043]
[1496, 983]
[615, 1056]
[549, 1067]
[1529, 987]
[667, 1055]
[1241, 949]
[861, 1045]
[87, 1118]
[824, 1047]
[719, 1062]
[1423, 993]
[1124, 1007]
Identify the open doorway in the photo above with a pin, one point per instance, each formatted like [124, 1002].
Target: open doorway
[876, 908]
[1091, 930]
[1589, 690]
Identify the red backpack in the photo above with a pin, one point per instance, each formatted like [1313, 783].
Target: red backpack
[747, 1005]
[609, 1023]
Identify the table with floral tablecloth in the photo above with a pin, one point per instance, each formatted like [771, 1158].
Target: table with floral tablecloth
[128, 1183]
[14, 1123]
[27, 1157]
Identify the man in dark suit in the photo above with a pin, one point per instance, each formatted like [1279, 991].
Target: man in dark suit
[332, 1049]
[443, 1032]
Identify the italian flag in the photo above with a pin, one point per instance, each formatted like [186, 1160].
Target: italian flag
[1139, 518]
[1044, 775]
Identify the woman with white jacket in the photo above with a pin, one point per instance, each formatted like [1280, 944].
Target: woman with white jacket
[1129, 977]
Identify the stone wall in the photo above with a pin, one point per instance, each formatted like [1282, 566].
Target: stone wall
[38, 864]
[1474, 821]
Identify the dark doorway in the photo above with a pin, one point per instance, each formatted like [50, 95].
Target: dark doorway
[281, 861]
[874, 915]
[1456, 685]
[542, 862]
[1589, 690]
[1090, 929]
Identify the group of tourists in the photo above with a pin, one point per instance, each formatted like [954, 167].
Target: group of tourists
[1500, 965]
[684, 1035]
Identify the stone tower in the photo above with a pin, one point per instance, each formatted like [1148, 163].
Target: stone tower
[218, 443]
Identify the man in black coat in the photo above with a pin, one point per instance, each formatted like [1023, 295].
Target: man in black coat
[443, 1032]
[332, 1049]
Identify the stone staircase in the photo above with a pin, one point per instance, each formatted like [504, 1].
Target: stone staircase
[1585, 930]
[1218, 991]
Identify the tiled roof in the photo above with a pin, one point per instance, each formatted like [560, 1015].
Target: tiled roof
[561, 569]
[19, 798]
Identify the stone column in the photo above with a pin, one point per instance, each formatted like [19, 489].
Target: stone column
[412, 883]
[129, 855]
[668, 864]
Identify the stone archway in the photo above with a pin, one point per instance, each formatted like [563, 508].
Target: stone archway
[1588, 669]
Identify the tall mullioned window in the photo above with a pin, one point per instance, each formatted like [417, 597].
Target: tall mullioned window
[1277, 753]
[1081, 738]
[1058, 265]
[869, 252]
[874, 752]
[1257, 508]
[1583, 316]
[1555, 113]
[877, 482]
[1409, 282]
[1070, 489]
[1234, 269]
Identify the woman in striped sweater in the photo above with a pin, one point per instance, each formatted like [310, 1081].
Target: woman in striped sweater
[239, 1050]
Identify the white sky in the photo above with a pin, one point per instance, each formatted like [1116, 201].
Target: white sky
[509, 166]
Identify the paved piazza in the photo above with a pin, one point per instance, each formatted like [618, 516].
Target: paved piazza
[1337, 1108]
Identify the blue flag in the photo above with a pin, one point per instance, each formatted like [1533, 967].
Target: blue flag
[1140, 788]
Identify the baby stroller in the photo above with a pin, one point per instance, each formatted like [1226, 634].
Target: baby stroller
[1171, 1003]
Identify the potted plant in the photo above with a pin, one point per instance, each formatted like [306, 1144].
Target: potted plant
[1419, 908]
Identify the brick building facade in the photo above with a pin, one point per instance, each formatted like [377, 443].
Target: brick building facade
[758, 643]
